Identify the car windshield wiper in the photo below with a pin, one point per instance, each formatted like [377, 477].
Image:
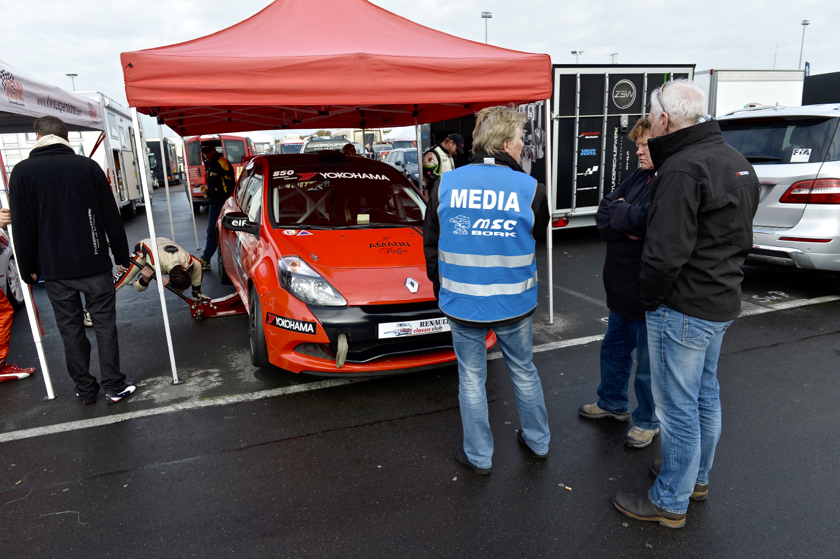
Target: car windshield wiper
[761, 158]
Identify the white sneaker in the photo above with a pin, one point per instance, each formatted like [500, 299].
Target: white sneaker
[640, 438]
[114, 398]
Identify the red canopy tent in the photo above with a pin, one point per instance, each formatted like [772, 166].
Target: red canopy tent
[363, 67]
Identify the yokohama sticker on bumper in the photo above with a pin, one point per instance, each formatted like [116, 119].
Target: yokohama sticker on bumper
[290, 324]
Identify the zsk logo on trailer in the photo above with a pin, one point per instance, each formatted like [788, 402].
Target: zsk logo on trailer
[623, 94]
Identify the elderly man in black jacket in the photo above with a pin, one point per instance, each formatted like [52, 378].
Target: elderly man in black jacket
[703, 200]
[65, 218]
[622, 221]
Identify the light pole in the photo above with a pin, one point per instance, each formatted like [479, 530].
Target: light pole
[804, 23]
[72, 79]
[577, 53]
[614, 58]
[485, 16]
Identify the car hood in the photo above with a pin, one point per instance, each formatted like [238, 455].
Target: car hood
[367, 266]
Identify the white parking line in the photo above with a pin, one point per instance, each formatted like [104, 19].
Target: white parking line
[750, 310]
[223, 401]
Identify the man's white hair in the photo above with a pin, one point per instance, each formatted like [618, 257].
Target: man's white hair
[682, 100]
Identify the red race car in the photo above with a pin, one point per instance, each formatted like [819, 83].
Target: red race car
[326, 252]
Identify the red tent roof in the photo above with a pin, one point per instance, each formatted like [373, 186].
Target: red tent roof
[332, 63]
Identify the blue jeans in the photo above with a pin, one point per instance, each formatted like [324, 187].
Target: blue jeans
[212, 242]
[623, 335]
[684, 354]
[515, 341]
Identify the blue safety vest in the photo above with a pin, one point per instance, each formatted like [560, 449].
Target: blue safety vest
[486, 261]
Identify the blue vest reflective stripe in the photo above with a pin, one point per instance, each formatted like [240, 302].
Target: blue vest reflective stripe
[488, 271]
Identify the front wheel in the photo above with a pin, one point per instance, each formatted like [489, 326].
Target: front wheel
[14, 287]
[256, 331]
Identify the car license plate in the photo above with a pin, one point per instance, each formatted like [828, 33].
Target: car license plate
[197, 190]
[413, 328]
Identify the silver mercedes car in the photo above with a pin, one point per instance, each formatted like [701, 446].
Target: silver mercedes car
[796, 153]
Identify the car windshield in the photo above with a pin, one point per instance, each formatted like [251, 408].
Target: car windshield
[289, 148]
[343, 199]
[407, 144]
[780, 140]
[410, 157]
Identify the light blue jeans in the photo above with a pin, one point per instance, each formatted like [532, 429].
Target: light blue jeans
[515, 341]
[622, 337]
[684, 352]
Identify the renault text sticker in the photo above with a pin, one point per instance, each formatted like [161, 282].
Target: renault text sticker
[414, 328]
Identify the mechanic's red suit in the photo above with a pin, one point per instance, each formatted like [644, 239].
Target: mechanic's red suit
[8, 371]
[171, 255]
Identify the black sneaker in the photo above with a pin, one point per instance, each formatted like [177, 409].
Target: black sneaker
[462, 457]
[521, 440]
[86, 401]
[126, 392]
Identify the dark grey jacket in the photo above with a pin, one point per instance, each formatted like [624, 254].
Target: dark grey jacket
[703, 199]
[64, 216]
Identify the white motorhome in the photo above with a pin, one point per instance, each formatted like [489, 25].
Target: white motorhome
[113, 149]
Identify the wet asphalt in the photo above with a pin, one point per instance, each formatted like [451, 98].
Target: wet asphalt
[366, 469]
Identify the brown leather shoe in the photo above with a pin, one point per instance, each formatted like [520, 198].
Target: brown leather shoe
[700, 491]
[638, 506]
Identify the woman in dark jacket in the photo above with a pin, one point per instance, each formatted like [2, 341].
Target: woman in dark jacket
[622, 220]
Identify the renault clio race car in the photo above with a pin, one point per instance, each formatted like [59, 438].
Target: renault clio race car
[326, 252]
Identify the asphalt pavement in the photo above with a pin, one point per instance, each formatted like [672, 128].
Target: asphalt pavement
[245, 462]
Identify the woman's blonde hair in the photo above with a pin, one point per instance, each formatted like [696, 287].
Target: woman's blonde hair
[494, 126]
[642, 126]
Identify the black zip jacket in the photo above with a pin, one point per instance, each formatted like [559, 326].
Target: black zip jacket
[615, 220]
[431, 229]
[220, 180]
[64, 216]
[703, 200]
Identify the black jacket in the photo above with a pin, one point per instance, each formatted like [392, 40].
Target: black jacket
[431, 227]
[703, 200]
[220, 180]
[64, 216]
[621, 267]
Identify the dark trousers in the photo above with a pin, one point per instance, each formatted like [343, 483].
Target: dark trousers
[212, 242]
[101, 300]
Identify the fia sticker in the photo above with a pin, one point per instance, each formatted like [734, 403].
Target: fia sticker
[289, 232]
[303, 233]
[800, 155]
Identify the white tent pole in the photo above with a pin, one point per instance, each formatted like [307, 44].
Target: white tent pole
[151, 221]
[419, 157]
[166, 185]
[189, 188]
[549, 240]
[30, 306]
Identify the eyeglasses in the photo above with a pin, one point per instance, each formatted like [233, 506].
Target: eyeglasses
[658, 91]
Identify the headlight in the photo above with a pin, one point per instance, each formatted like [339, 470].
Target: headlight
[306, 284]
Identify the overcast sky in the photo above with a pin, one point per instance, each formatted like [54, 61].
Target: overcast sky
[51, 38]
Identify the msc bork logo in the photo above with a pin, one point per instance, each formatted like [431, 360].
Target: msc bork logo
[462, 225]
[623, 94]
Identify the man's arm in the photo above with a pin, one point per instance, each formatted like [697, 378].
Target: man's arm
[431, 234]
[111, 218]
[671, 236]
[26, 229]
[541, 214]
[602, 216]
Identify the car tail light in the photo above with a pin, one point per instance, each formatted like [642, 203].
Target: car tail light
[821, 191]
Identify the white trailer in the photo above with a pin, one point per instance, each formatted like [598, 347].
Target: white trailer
[113, 149]
[735, 90]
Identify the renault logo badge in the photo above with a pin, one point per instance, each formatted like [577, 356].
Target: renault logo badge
[412, 285]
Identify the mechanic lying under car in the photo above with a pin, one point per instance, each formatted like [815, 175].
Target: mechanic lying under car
[183, 268]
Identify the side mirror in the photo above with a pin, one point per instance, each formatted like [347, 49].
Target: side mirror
[238, 221]
[399, 163]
